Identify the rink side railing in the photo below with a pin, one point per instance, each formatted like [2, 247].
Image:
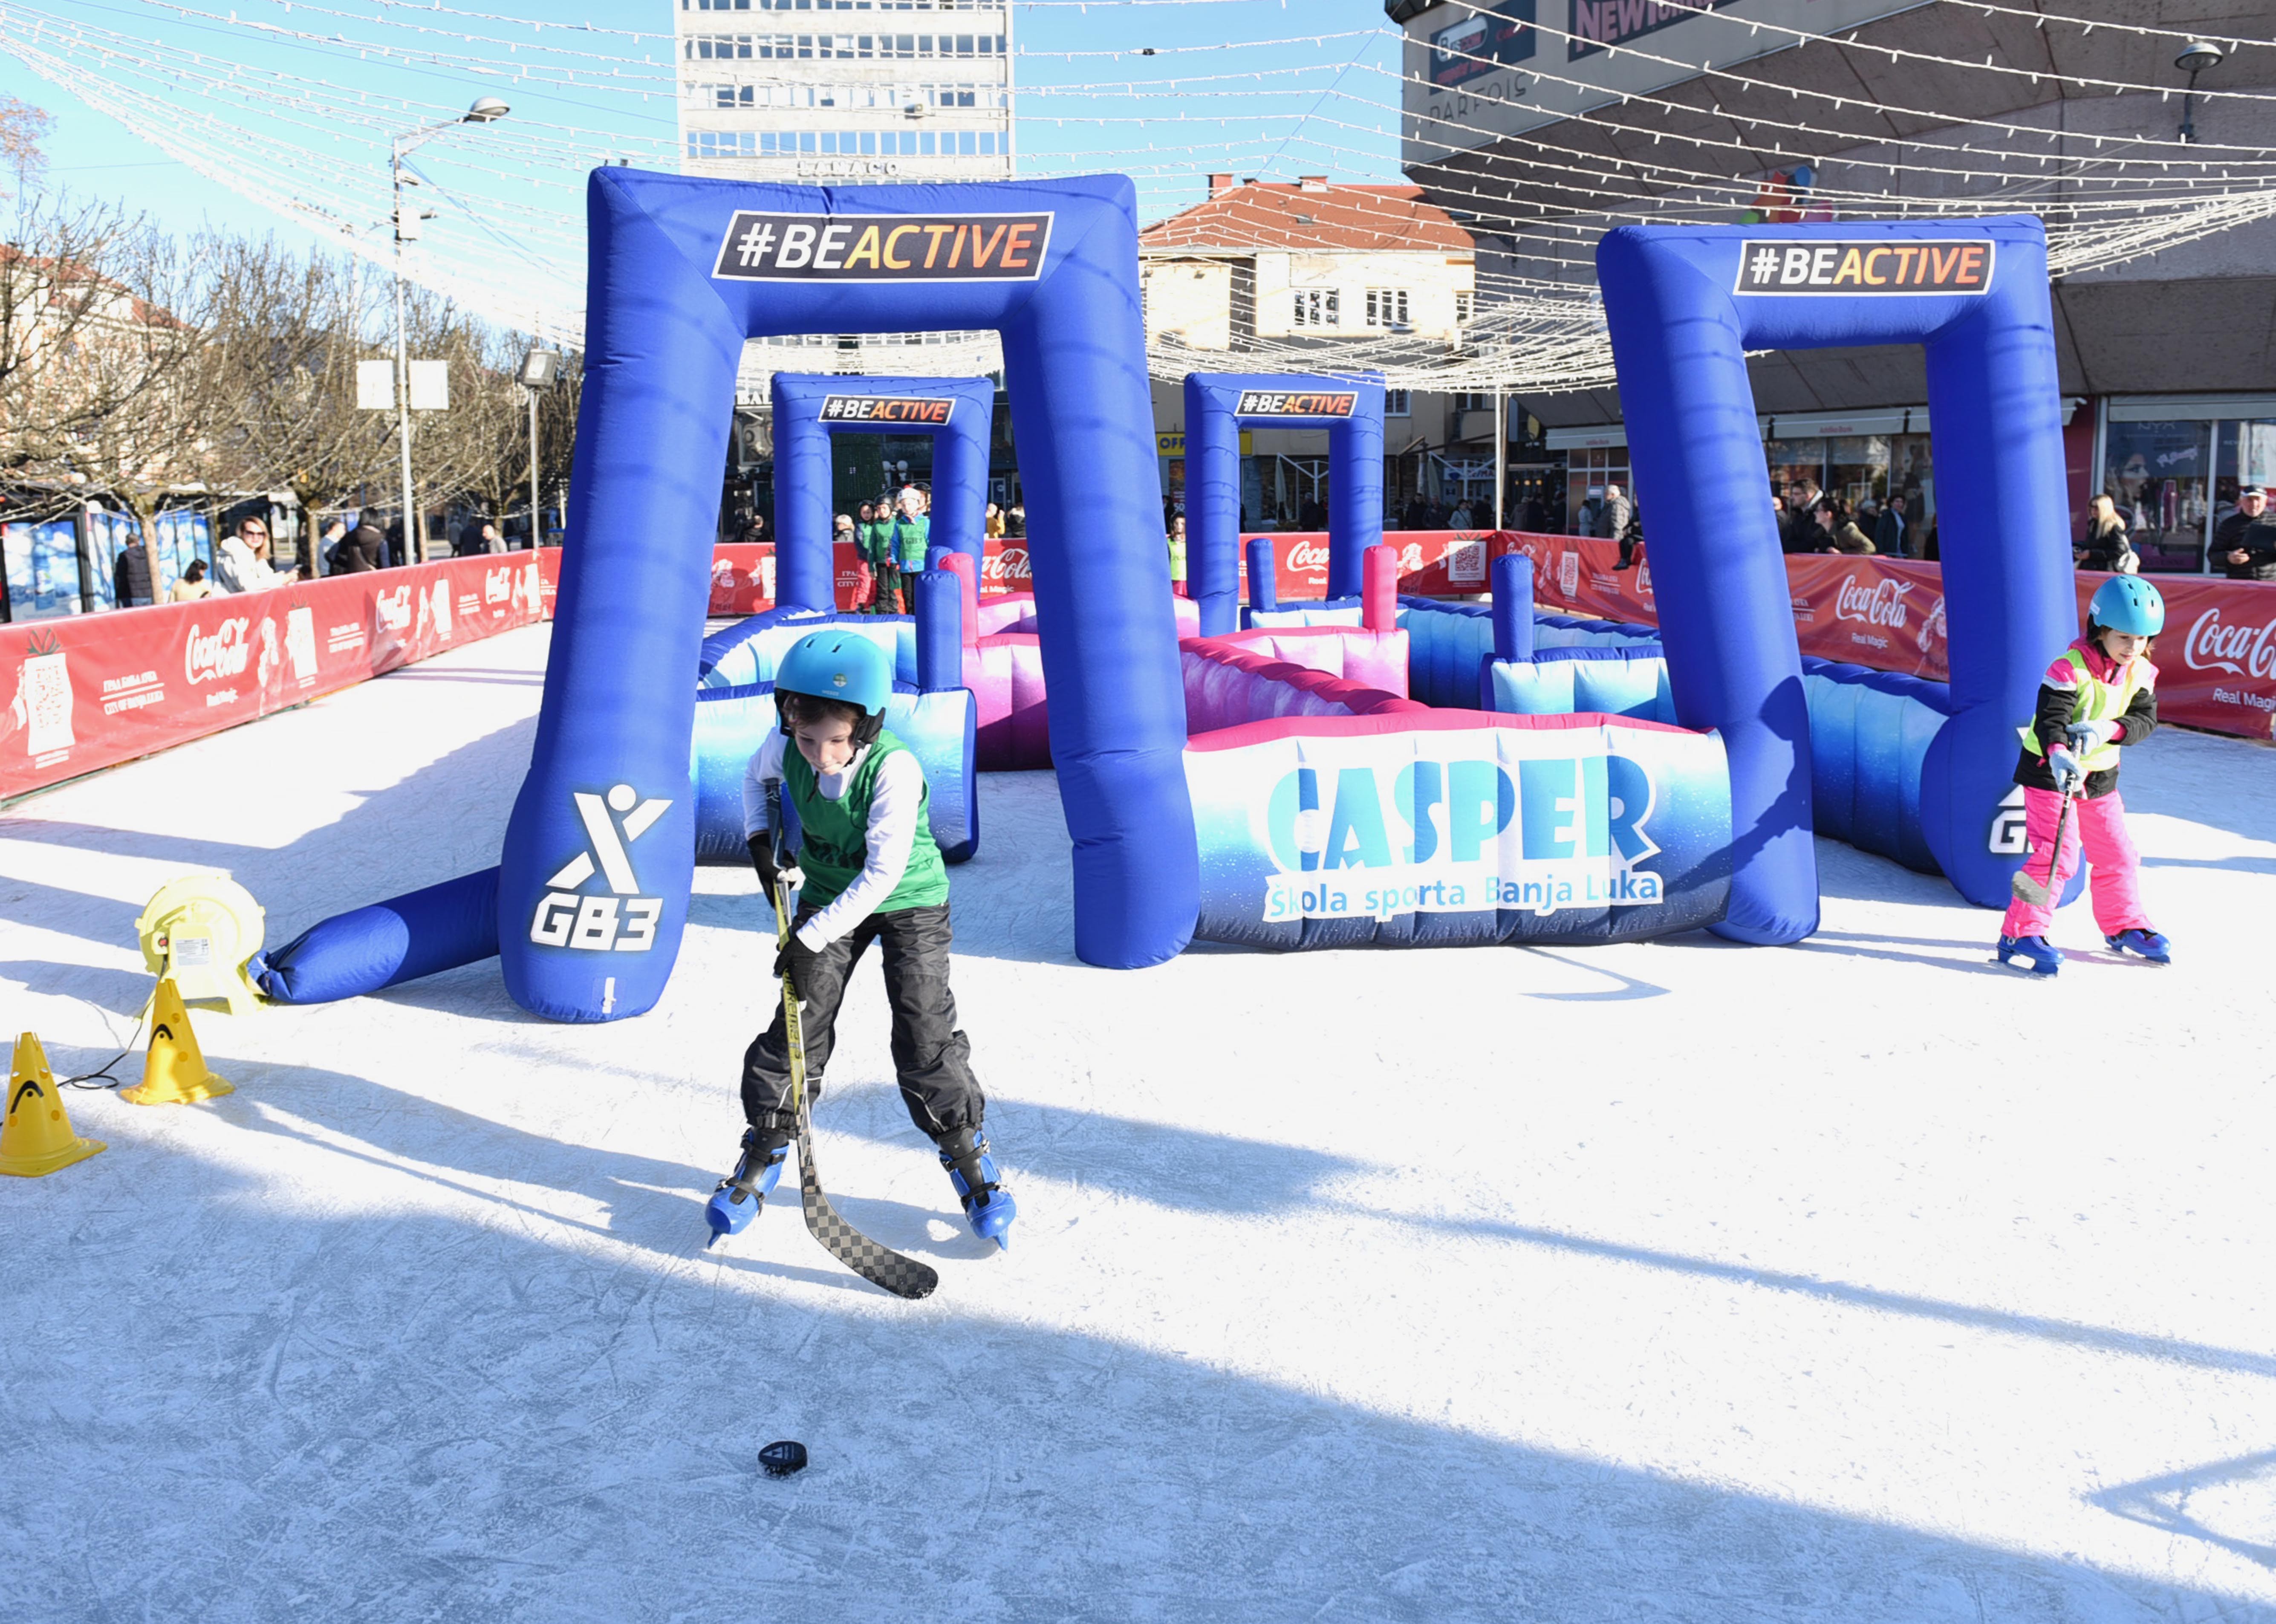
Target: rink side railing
[90, 691]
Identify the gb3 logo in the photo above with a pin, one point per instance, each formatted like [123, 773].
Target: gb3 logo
[2007, 837]
[622, 920]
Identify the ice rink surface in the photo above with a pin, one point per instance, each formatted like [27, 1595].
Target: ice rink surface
[1858, 1280]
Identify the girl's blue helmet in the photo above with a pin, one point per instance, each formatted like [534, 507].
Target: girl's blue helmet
[2128, 604]
[839, 665]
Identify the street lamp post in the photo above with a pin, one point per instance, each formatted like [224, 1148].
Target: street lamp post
[486, 109]
[2195, 57]
[540, 369]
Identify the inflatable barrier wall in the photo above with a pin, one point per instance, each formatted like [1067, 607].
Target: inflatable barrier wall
[1449, 829]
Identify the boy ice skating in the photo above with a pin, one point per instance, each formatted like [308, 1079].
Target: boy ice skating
[2100, 692]
[867, 871]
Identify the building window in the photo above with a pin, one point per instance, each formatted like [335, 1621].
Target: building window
[1387, 307]
[1473, 402]
[1461, 306]
[1398, 403]
[1316, 306]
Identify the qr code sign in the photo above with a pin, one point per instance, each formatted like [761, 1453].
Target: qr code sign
[43, 691]
[1466, 562]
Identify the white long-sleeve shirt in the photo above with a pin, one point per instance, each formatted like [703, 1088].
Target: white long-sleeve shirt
[895, 800]
[238, 568]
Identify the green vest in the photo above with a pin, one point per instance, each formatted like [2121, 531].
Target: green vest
[876, 541]
[835, 842]
[912, 535]
[1177, 557]
[2097, 701]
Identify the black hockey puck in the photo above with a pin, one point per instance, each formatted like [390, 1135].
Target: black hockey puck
[783, 1458]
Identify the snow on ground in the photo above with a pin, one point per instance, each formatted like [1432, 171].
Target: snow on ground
[1857, 1280]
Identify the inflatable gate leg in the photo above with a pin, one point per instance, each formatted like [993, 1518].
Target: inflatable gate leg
[594, 879]
[1684, 305]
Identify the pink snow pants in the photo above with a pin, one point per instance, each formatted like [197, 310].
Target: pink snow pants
[2116, 878]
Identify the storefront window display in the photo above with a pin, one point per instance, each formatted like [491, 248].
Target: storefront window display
[2245, 459]
[2158, 475]
[1588, 470]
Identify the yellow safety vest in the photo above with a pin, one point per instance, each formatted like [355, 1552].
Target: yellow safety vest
[1177, 558]
[2097, 701]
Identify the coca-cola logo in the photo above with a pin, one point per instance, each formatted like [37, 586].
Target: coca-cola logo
[221, 652]
[1410, 557]
[393, 608]
[2240, 650]
[1306, 555]
[498, 586]
[1881, 604]
[1005, 564]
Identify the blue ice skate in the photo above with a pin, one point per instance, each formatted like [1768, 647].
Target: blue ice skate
[744, 1191]
[2148, 944]
[990, 1211]
[2032, 951]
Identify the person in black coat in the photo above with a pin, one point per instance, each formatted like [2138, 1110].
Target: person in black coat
[363, 547]
[2244, 546]
[130, 576]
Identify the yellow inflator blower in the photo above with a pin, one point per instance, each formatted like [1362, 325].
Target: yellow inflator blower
[198, 933]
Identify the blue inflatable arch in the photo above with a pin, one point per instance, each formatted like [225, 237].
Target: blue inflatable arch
[599, 851]
[1217, 403]
[810, 409]
[1684, 305]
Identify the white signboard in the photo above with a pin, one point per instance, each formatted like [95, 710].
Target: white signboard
[376, 385]
[1474, 75]
[431, 385]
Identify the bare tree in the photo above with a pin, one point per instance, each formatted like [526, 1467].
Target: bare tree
[283, 338]
[23, 128]
[100, 344]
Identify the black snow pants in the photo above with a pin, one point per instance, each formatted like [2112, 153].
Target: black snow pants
[931, 1056]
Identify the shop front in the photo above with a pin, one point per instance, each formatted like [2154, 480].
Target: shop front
[2172, 464]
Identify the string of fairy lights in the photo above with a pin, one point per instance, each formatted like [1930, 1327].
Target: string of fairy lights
[293, 109]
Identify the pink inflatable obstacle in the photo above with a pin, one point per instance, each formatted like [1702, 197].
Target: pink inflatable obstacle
[1228, 687]
[1004, 667]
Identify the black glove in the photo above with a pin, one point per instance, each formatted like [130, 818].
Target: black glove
[791, 961]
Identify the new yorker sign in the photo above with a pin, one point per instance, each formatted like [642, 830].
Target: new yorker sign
[817, 247]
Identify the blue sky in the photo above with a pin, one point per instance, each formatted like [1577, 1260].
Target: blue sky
[1272, 87]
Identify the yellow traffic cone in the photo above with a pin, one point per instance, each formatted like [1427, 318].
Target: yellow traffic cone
[37, 1137]
[174, 1072]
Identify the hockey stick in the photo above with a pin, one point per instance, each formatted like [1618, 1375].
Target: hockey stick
[2030, 890]
[880, 1265]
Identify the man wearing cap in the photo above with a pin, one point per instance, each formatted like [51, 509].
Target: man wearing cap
[2244, 546]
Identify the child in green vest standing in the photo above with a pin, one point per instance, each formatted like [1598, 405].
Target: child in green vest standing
[912, 535]
[867, 871]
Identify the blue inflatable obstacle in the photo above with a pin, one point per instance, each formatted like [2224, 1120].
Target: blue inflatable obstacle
[1684, 304]
[931, 712]
[811, 410]
[1870, 731]
[1217, 405]
[444, 926]
[1334, 810]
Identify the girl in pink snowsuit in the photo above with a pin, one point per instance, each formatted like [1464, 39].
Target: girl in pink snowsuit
[2100, 694]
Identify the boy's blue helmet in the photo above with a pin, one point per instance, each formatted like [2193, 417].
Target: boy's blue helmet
[839, 665]
[2128, 604]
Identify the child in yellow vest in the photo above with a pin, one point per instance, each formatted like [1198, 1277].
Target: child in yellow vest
[2100, 694]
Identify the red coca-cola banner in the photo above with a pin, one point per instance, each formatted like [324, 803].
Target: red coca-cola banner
[743, 577]
[1431, 563]
[90, 691]
[2216, 662]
